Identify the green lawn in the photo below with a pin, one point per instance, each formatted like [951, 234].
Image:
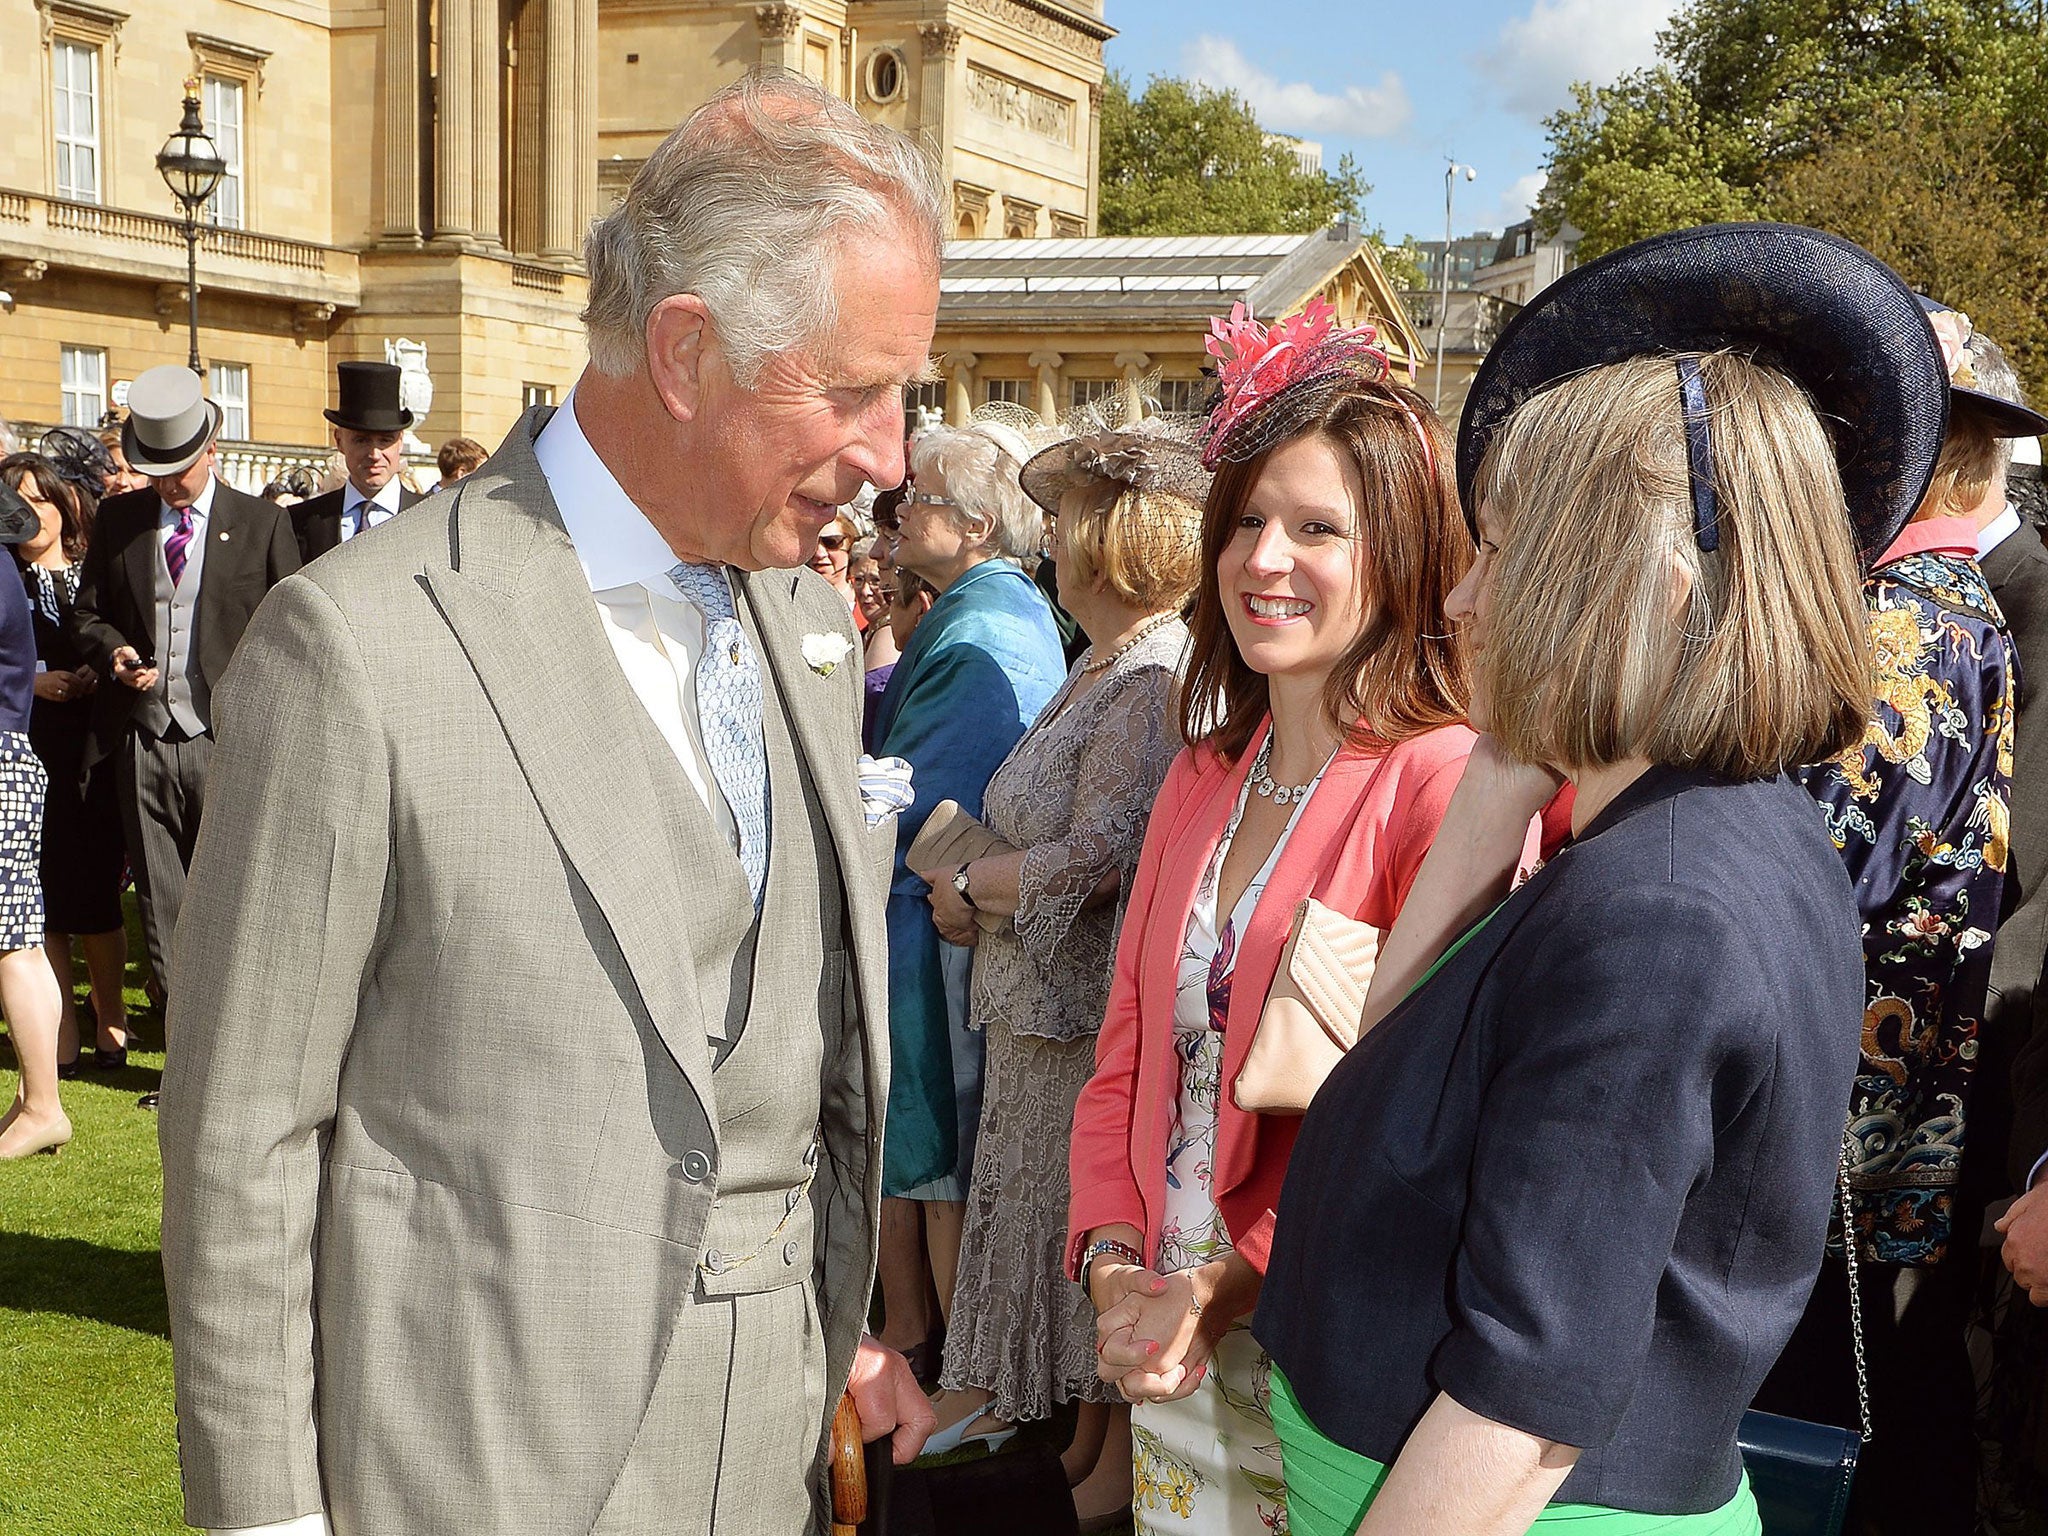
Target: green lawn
[87, 1438]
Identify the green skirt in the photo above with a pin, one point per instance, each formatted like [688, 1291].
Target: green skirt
[1329, 1489]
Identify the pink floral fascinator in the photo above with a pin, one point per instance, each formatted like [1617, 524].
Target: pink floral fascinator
[1261, 371]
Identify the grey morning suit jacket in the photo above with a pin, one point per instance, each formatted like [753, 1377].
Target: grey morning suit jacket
[440, 1130]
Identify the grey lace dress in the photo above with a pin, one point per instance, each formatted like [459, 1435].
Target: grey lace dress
[1075, 794]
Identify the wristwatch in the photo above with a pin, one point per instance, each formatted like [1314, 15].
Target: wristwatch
[960, 885]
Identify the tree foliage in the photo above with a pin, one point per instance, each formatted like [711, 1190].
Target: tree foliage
[1918, 128]
[1186, 159]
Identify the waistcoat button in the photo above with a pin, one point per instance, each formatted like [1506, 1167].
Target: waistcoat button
[716, 1263]
[696, 1166]
[789, 1252]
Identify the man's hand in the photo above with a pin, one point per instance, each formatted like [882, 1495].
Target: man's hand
[2025, 1225]
[129, 668]
[889, 1401]
[58, 687]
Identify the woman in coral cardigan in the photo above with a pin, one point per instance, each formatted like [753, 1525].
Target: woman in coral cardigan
[1325, 716]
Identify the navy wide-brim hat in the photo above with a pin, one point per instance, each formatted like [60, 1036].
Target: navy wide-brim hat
[1823, 311]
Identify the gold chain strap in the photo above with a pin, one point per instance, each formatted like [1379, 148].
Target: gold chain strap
[1850, 1244]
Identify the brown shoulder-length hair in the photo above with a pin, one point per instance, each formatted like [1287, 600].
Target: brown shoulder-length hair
[72, 516]
[1407, 671]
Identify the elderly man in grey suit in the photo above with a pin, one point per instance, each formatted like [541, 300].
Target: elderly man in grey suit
[521, 1148]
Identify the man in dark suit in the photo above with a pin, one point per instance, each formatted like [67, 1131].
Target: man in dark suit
[172, 576]
[369, 429]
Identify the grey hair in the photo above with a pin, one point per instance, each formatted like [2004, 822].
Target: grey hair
[743, 205]
[1995, 376]
[981, 476]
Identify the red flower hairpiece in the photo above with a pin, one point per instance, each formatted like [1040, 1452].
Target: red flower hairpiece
[1256, 362]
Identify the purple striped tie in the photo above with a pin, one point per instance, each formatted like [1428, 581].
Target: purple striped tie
[176, 545]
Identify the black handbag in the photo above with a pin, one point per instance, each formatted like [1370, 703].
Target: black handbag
[1801, 1472]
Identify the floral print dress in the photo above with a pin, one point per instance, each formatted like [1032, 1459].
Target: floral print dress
[1210, 1462]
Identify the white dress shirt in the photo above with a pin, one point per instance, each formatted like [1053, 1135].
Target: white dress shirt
[359, 511]
[1998, 530]
[656, 633]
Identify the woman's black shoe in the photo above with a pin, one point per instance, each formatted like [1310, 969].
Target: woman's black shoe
[67, 1070]
[104, 1060]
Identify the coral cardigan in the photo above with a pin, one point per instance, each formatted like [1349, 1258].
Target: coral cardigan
[1356, 849]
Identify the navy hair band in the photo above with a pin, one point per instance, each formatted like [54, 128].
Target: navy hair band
[1699, 448]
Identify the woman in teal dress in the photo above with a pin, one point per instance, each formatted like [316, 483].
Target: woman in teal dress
[979, 667]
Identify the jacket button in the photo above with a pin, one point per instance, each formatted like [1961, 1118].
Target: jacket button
[716, 1263]
[789, 1252]
[696, 1166]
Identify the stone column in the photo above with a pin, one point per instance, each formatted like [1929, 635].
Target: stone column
[1133, 366]
[455, 123]
[1048, 366]
[561, 137]
[1094, 158]
[782, 36]
[586, 119]
[959, 368]
[401, 86]
[937, 103]
[487, 136]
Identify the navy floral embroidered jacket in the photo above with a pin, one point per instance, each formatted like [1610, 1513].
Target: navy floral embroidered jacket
[1920, 814]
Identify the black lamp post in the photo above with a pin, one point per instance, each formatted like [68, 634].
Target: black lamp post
[191, 167]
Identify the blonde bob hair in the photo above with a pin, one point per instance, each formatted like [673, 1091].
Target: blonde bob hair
[1589, 657]
[1145, 545]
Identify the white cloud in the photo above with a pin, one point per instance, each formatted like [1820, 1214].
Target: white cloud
[1538, 55]
[1520, 197]
[1357, 112]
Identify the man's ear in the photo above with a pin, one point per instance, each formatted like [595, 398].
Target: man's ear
[679, 332]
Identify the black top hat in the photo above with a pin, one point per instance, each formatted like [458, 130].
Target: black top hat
[2004, 418]
[1826, 313]
[369, 399]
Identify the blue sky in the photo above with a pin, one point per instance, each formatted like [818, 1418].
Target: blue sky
[1400, 86]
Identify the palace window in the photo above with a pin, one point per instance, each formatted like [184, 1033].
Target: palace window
[84, 384]
[75, 117]
[930, 396]
[224, 103]
[1182, 395]
[1009, 391]
[228, 385]
[1087, 391]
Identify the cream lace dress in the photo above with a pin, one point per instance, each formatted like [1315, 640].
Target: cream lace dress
[1210, 1462]
[1075, 793]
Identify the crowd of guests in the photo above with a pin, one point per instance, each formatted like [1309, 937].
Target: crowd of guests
[107, 661]
[1429, 972]
[1635, 1050]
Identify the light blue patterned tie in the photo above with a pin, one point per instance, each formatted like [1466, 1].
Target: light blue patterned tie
[729, 714]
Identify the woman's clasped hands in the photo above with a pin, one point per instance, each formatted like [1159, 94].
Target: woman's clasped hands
[1154, 1333]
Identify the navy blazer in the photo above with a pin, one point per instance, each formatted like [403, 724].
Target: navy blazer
[1580, 1180]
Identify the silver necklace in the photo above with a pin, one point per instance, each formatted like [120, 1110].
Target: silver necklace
[1279, 794]
[1156, 622]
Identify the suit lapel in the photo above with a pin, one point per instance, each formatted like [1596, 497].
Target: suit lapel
[812, 705]
[227, 546]
[518, 603]
[139, 562]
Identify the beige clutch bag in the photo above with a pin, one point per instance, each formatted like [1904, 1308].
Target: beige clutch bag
[1311, 1015]
[949, 838]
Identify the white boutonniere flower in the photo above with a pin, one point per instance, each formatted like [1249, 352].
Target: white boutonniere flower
[823, 653]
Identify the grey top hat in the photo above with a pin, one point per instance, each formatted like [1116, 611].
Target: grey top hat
[170, 421]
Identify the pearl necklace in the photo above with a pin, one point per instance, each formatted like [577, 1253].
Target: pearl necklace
[1157, 621]
[1279, 794]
